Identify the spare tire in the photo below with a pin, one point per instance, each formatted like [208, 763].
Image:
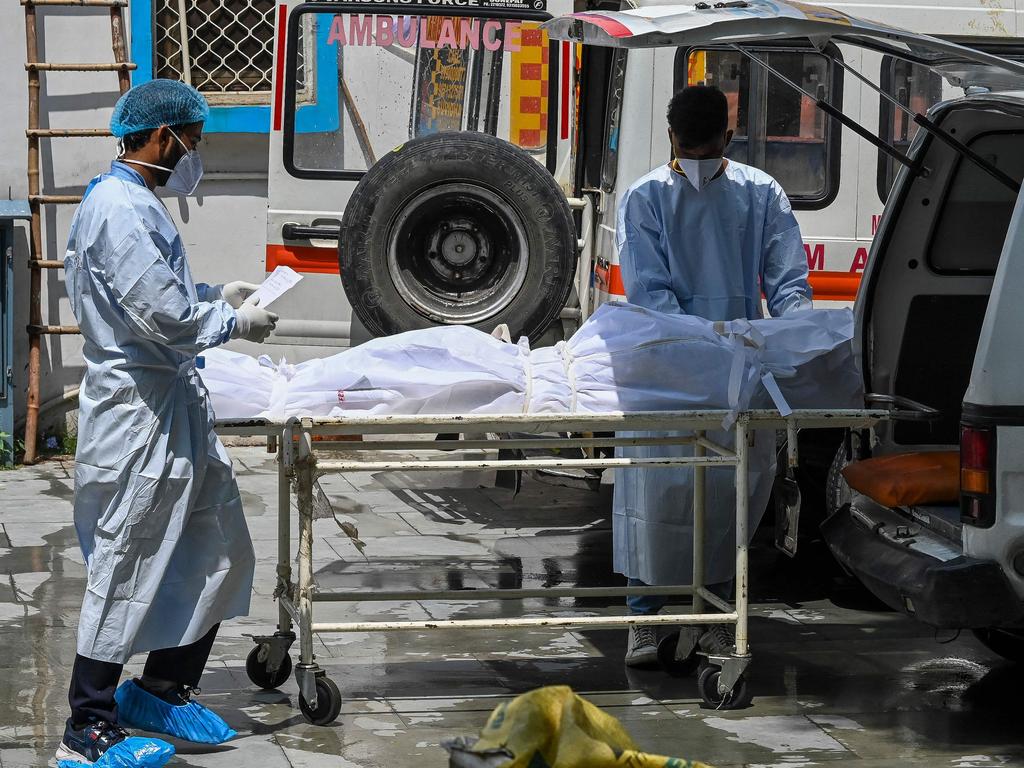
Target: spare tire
[457, 228]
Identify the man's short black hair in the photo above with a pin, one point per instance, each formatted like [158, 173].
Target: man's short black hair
[698, 115]
[133, 142]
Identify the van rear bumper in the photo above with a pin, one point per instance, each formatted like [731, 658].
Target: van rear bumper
[954, 592]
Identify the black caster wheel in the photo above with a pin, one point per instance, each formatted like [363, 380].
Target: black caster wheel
[328, 703]
[707, 682]
[261, 676]
[667, 657]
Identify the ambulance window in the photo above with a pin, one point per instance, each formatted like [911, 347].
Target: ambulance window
[378, 80]
[613, 121]
[775, 127]
[975, 215]
[914, 86]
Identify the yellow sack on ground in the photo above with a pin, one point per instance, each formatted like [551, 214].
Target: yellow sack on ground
[552, 727]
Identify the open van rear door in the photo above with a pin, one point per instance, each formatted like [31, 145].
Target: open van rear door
[425, 148]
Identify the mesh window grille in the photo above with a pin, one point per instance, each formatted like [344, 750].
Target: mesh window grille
[222, 47]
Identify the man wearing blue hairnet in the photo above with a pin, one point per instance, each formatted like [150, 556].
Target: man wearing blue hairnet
[157, 509]
[705, 236]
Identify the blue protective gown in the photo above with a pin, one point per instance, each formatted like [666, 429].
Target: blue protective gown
[709, 253]
[157, 509]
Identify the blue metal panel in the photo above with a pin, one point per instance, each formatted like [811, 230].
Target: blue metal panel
[10, 212]
[322, 115]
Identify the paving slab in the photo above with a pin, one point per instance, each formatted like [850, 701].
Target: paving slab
[836, 679]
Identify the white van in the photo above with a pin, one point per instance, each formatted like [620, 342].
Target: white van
[354, 80]
[939, 318]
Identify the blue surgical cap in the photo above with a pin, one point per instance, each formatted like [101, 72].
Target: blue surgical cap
[156, 103]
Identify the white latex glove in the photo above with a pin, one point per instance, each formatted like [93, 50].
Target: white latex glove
[253, 323]
[236, 292]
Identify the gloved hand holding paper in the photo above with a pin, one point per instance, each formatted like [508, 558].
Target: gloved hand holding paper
[278, 283]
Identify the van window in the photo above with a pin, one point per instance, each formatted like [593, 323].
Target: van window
[775, 127]
[914, 86]
[976, 210]
[379, 80]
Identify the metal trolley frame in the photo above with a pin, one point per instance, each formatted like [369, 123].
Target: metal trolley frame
[722, 684]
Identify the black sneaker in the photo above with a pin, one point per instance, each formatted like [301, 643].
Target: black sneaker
[89, 743]
[642, 646]
[718, 640]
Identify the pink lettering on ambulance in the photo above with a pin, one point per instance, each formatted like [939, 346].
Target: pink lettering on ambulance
[513, 36]
[360, 29]
[469, 33]
[425, 41]
[407, 28]
[491, 41]
[337, 33]
[860, 259]
[446, 37]
[815, 260]
[875, 218]
[385, 31]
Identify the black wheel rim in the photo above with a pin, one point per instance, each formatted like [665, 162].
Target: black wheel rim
[458, 253]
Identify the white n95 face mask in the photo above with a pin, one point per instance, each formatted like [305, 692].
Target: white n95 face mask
[185, 175]
[699, 172]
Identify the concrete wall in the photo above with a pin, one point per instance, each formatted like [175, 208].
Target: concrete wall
[223, 226]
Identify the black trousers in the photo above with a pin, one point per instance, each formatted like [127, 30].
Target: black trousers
[93, 683]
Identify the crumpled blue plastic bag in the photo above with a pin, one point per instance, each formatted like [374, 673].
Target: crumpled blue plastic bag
[133, 752]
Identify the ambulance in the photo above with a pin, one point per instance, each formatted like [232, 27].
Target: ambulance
[443, 161]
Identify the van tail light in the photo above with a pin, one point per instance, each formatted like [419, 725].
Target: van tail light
[977, 475]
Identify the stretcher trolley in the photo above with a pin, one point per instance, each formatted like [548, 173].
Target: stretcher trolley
[721, 678]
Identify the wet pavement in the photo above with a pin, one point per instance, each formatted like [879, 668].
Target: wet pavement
[834, 678]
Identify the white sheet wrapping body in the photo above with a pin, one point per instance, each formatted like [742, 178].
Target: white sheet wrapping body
[624, 358]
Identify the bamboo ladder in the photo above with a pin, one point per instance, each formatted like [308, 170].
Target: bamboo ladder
[36, 197]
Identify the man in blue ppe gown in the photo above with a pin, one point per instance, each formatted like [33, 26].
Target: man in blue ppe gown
[157, 509]
[703, 236]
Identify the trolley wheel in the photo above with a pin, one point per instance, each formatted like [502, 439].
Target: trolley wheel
[673, 666]
[328, 703]
[262, 677]
[707, 682]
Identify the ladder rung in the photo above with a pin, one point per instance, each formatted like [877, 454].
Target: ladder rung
[39, 330]
[63, 133]
[45, 264]
[92, 3]
[55, 199]
[45, 66]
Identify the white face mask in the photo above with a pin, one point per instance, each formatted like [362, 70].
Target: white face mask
[699, 172]
[186, 173]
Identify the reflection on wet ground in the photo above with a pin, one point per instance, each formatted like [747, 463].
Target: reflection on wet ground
[834, 678]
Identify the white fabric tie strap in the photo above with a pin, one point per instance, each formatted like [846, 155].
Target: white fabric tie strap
[742, 334]
[568, 361]
[768, 379]
[524, 353]
[283, 368]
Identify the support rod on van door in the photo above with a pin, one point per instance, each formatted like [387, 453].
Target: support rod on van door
[934, 130]
[828, 109]
[1003, 178]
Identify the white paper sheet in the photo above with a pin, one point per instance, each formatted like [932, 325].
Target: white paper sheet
[278, 283]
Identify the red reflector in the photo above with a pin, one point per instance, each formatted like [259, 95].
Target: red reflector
[977, 476]
[975, 448]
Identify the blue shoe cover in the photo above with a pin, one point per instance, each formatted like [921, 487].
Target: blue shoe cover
[133, 752]
[139, 709]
